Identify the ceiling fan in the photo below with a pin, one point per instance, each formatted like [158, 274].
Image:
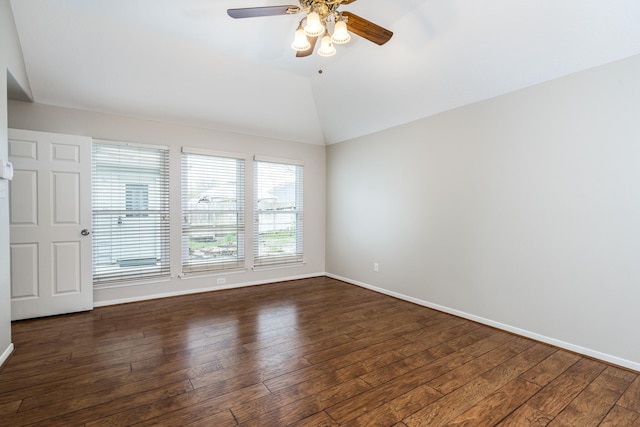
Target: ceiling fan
[321, 14]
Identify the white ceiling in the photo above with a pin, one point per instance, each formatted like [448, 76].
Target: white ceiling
[187, 62]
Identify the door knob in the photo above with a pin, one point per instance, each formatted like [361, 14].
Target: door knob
[85, 232]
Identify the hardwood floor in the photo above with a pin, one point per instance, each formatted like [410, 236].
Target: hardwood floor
[314, 352]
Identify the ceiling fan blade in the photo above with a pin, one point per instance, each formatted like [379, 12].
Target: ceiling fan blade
[347, 1]
[367, 29]
[303, 53]
[252, 12]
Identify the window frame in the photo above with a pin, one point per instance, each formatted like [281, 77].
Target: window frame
[122, 236]
[295, 257]
[225, 264]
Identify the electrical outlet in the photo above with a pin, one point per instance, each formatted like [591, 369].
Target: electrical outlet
[376, 267]
[221, 281]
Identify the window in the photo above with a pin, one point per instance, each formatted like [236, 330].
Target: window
[278, 212]
[137, 198]
[212, 211]
[130, 203]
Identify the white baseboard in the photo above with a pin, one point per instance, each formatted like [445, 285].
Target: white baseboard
[522, 332]
[200, 290]
[6, 353]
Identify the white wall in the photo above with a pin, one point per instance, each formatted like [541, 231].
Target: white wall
[522, 211]
[11, 60]
[110, 127]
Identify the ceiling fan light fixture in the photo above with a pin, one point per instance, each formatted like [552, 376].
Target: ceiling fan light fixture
[322, 20]
[340, 33]
[326, 46]
[313, 27]
[300, 41]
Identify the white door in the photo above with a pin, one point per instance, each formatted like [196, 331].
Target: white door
[50, 219]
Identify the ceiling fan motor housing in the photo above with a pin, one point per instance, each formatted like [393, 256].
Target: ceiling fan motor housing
[327, 9]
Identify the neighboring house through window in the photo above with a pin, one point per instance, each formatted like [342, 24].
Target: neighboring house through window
[137, 198]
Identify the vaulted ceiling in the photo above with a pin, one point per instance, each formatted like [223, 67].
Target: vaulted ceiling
[188, 62]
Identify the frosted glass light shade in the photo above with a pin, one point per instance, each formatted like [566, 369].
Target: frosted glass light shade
[340, 33]
[313, 27]
[326, 47]
[300, 41]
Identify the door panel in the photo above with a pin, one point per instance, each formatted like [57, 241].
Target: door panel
[66, 198]
[24, 270]
[23, 200]
[50, 199]
[65, 152]
[24, 149]
[66, 265]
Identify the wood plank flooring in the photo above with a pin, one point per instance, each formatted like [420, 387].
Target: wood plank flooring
[313, 352]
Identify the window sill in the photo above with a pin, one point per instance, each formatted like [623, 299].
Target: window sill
[278, 266]
[126, 284]
[196, 275]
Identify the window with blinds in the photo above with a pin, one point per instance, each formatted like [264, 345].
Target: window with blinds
[212, 211]
[278, 212]
[130, 204]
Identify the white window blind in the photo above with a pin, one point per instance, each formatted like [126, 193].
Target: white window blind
[212, 212]
[278, 213]
[130, 203]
